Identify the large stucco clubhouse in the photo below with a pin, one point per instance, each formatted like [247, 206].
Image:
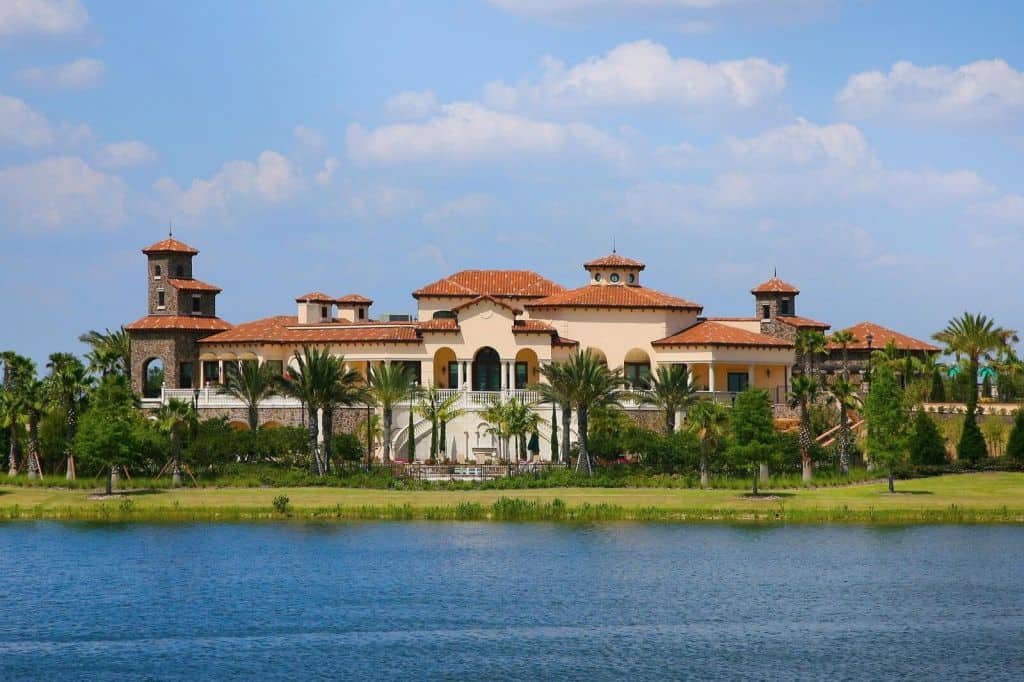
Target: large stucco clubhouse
[482, 332]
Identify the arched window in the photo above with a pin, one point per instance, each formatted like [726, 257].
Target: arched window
[487, 370]
[157, 271]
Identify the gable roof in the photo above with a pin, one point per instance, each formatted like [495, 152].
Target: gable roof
[183, 322]
[170, 245]
[803, 322]
[315, 297]
[881, 336]
[192, 285]
[353, 298]
[614, 260]
[614, 296]
[775, 286]
[707, 333]
[498, 283]
[489, 299]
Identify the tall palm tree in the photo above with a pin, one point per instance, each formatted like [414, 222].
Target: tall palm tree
[496, 414]
[174, 419]
[438, 411]
[522, 421]
[844, 338]
[69, 383]
[18, 371]
[845, 395]
[36, 400]
[974, 337]
[251, 384]
[809, 344]
[708, 421]
[591, 384]
[671, 390]
[110, 352]
[557, 391]
[389, 385]
[803, 392]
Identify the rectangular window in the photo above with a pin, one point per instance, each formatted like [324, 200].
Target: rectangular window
[185, 370]
[276, 367]
[211, 372]
[738, 381]
[413, 369]
[637, 374]
[453, 375]
[230, 370]
[522, 374]
[197, 304]
[362, 313]
[766, 312]
[323, 312]
[160, 303]
[786, 306]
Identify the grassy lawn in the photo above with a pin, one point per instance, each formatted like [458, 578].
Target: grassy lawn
[982, 497]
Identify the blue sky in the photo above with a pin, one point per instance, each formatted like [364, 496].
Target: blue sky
[868, 150]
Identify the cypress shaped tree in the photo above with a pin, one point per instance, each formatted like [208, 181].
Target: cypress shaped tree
[971, 448]
[412, 439]
[1015, 446]
[938, 392]
[554, 433]
[926, 443]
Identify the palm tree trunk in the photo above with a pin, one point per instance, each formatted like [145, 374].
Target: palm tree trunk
[670, 421]
[176, 457]
[433, 440]
[805, 442]
[844, 441]
[33, 448]
[328, 439]
[583, 463]
[757, 475]
[388, 415]
[15, 452]
[71, 425]
[312, 431]
[892, 488]
[443, 444]
[705, 479]
[254, 417]
[110, 481]
[566, 430]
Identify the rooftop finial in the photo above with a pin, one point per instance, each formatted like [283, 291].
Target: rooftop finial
[170, 228]
[775, 273]
[613, 244]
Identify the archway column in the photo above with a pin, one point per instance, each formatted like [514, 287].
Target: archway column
[711, 377]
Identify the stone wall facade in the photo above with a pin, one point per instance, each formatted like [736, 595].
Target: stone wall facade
[169, 264]
[172, 347]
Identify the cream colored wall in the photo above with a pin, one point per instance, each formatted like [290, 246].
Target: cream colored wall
[606, 274]
[746, 325]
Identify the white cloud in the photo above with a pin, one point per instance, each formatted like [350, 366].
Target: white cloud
[411, 104]
[309, 138]
[42, 17]
[985, 91]
[1008, 208]
[77, 75]
[58, 192]
[125, 154]
[801, 144]
[644, 73]
[21, 126]
[467, 208]
[465, 132]
[272, 179]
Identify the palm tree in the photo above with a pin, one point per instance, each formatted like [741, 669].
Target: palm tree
[557, 391]
[447, 410]
[36, 400]
[809, 344]
[844, 338]
[974, 337]
[591, 384]
[110, 353]
[175, 418]
[845, 395]
[438, 411]
[803, 393]
[522, 421]
[389, 385]
[708, 421]
[671, 390]
[69, 383]
[18, 371]
[496, 414]
[251, 384]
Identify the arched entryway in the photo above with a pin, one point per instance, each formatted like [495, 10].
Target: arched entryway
[526, 368]
[446, 370]
[636, 367]
[152, 377]
[486, 370]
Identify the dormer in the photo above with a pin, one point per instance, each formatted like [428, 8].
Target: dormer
[774, 298]
[353, 308]
[315, 308]
[614, 269]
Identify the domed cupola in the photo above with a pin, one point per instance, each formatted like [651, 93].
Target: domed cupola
[614, 269]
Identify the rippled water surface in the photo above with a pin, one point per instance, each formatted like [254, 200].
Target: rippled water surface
[418, 601]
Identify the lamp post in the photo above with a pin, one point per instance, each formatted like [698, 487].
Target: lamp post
[195, 399]
[870, 338]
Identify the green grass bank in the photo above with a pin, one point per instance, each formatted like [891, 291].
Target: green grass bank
[995, 497]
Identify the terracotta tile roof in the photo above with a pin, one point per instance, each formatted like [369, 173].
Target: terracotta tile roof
[775, 286]
[353, 298]
[498, 283]
[315, 297]
[803, 322]
[717, 334]
[562, 342]
[613, 296]
[481, 299]
[532, 327]
[441, 324]
[170, 245]
[731, 319]
[614, 260]
[184, 322]
[286, 329]
[881, 336]
[192, 285]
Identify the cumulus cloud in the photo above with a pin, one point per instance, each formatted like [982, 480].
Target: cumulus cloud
[985, 91]
[411, 104]
[77, 75]
[644, 73]
[50, 18]
[59, 192]
[802, 143]
[21, 126]
[271, 179]
[466, 132]
[125, 154]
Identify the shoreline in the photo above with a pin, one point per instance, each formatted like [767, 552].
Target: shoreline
[983, 498]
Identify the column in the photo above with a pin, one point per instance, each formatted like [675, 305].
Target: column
[787, 375]
[751, 375]
[202, 374]
[711, 377]
[460, 374]
[220, 371]
[504, 375]
[468, 369]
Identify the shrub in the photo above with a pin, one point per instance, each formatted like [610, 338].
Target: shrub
[281, 504]
[926, 444]
[1015, 446]
[972, 446]
[673, 453]
[349, 447]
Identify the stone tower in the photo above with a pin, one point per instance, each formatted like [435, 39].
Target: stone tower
[774, 299]
[180, 311]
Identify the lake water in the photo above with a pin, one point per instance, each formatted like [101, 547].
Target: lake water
[414, 601]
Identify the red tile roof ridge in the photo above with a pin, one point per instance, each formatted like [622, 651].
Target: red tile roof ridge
[192, 284]
[708, 333]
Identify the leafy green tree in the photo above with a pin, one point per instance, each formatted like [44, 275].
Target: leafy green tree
[673, 453]
[671, 391]
[107, 437]
[610, 429]
[1015, 445]
[438, 411]
[18, 371]
[803, 393]
[937, 394]
[390, 384]
[752, 425]
[887, 421]
[69, 383]
[110, 352]
[554, 432]
[973, 337]
[410, 448]
[557, 390]
[708, 421]
[175, 419]
[251, 384]
[926, 444]
[35, 400]
[591, 384]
